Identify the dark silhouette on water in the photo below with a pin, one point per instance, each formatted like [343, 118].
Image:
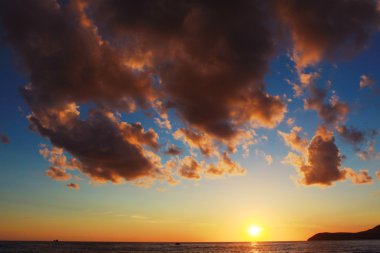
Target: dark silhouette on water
[371, 234]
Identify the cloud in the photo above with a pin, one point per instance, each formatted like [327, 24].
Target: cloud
[225, 166]
[204, 61]
[294, 140]
[333, 112]
[197, 140]
[294, 160]
[268, 159]
[358, 178]
[66, 61]
[104, 147]
[378, 174]
[59, 164]
[4, 139]
[73, 186]
[57, 174]
[189, 168]
[351, 134]
[328, 29]
[173, 150]
[369, 153]
[163, 121]
[366, 81]
[290, 121]
[323, 162]
[136, 134]
[210, 73]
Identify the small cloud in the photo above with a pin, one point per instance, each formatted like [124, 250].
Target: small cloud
[190, 168]
[366, 81]
[225, 166]
[58, 174]
[197, 140]
[360, 177]
[73, 186]
[369, 153]
[268, 159]
[290, 121]
[351, 134]
[173, 150]
[294, 140]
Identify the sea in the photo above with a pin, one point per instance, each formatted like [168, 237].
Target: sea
[372, 246]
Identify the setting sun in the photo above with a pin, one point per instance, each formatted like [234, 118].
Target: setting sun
[254, 230]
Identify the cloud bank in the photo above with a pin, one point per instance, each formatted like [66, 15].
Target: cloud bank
[203, 61]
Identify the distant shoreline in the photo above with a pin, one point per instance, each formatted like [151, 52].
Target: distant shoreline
[371, 234]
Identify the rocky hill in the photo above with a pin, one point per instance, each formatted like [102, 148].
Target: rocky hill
[371, 234]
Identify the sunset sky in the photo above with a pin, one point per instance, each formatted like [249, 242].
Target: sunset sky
[188, 120]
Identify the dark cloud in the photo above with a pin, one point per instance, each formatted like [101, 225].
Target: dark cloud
[323, 29]
[173, 150]
[66, 61]
[102, 145]
[351, 134]
[211, 73]
[73, 186]
[334, 112]
[323, 162]
[4, 139]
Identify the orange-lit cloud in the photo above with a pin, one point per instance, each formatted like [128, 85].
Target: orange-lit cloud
[294, 140]
[361, 177]
[58, 174]
[225, 166]
[197, 140]
[189, 168]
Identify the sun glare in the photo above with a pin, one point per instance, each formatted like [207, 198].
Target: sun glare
[254, 230]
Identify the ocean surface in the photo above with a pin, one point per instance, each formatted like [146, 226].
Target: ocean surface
[267, 247]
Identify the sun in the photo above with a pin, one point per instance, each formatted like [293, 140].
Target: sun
[254, 230]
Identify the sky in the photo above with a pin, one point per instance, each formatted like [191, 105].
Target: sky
[188, 120]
